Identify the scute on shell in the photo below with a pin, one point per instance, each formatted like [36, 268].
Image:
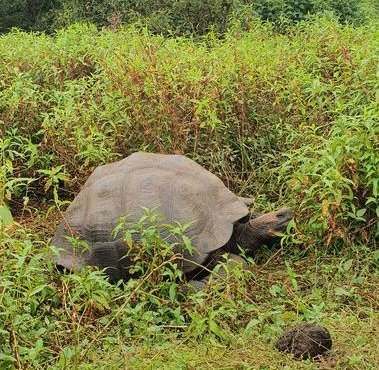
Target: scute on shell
[177, 186]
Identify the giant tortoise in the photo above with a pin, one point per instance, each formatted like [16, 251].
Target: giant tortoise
[181, 190]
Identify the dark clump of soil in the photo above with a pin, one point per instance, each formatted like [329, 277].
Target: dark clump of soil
[305, 341]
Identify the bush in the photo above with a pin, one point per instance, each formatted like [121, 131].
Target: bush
[293, 11]
[26, 14]
[176, 17]
[247, 108]
[198, 17]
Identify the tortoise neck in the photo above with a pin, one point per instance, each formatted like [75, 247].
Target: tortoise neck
[244, 236]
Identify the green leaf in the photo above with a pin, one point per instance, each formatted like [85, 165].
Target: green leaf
[358, 280]
[371, 200]
[252, 323]
[275, 289]
[215, 329]
[37, 290]
[128, 238]
[347, 265]
[375, 187]
[6, 218]
[342, 292]
[6, 359]
[375, 256]
[172, 292]
[188, 244]
[288, 316]
[361, 212]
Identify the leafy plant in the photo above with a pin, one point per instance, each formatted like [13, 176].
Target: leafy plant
[179, 16]
[285, 118]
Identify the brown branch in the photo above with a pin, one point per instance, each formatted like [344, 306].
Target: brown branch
[13, 343]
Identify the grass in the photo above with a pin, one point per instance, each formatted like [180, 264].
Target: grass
[354, 334]
[81, 322]
[250, 352]
[283, 118]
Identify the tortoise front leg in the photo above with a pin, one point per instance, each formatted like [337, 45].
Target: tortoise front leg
[232, 261]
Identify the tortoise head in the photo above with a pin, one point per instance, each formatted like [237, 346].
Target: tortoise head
[265, 228]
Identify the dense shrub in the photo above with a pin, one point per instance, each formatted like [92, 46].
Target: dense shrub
[292, 11]
[183, 16]
[26, 14]
[284, 119]
[175, 17]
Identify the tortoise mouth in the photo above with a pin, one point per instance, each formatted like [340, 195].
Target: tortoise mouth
[284, 216]
[278, 229]
[273, 222]
[282, 225]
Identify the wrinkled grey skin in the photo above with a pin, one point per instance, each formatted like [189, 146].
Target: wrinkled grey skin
[259, 230]
[250, 234]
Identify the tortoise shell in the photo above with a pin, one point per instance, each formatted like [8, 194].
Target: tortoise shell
[177, 186]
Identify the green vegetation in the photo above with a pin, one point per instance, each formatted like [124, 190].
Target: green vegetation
[284, 118]
[281, 118]
[177, 16]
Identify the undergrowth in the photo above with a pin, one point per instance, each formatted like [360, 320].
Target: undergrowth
[282, 118]
[51, 320]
